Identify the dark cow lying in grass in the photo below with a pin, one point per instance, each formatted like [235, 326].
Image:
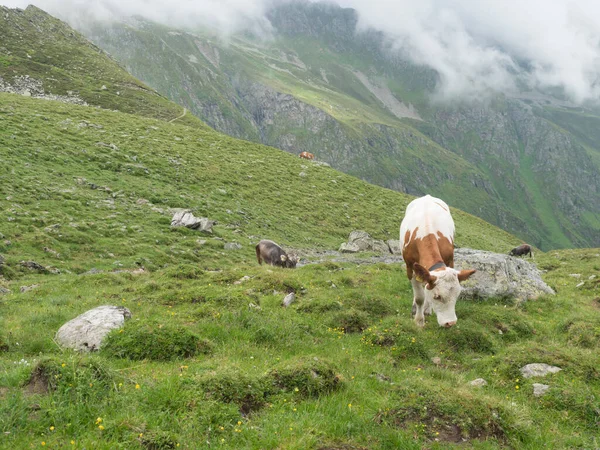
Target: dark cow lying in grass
[521, 250]
[273, 254]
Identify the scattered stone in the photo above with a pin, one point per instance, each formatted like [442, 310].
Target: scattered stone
[241, 280]
[538, 370]
[32, 265]
[478, 382]
[254, 306]
[222, 191]
[86, 332]
[302, 174]
[186, 219]
[201, 241]
[3, 290]
[499, 275]
[54, 252]
[436, 360]
[592, 277]
[575, 275]
[232, 246]
[580, 284]
[103, 87]
[539, 389]
[142, 201]
[289, 299]
[92, 271]
[28, 288]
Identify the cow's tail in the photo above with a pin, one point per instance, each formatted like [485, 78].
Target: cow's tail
[258, 254]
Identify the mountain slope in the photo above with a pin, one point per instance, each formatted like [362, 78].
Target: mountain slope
[320, 86]
[210, 358]
[42, 56]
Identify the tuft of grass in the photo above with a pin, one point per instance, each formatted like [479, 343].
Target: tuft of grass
[309, 377]
[154, 341]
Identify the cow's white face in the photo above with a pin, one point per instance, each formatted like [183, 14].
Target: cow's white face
[442, 297]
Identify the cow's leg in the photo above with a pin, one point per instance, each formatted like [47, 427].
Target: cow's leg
[427, 308]
[418, 302]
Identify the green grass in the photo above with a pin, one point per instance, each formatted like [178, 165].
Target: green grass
[229, 367]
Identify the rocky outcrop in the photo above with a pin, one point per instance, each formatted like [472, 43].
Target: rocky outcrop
[86, 332]
[185, 218]
[499, 275]
[361, 241]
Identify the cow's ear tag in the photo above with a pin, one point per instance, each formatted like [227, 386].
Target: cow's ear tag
[419, 279]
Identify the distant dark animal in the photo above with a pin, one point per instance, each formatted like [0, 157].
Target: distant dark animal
[427, 237]
[273, 254]
[521, 250]
[307, 155]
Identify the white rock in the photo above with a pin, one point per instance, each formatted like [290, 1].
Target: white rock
[478, 382]
[289, 299]
[539, 389]
[85, 332]
[580, 284]
[186, 219]
[538, 370]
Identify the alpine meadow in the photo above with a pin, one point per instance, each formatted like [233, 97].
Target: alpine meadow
[95, 164]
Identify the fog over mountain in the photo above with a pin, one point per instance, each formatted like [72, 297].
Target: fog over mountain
[474, 46]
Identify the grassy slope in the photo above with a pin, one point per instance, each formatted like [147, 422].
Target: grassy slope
[388, 397]
[36, 44]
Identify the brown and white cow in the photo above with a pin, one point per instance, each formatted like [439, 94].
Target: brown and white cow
[273, 254]
[427, 236]
[521, 250]
[306, 155]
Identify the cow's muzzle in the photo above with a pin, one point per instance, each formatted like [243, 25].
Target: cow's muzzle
[449, 324]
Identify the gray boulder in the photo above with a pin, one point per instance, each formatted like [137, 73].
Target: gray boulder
[364, 242]
[538, 370]
[349, 248]
[232, 246]
[185, 218]
[394, 247]
[499, 275]
[478, 382]
[539, 389]
[86, 332]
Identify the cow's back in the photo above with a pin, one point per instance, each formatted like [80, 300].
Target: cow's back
[426, 215]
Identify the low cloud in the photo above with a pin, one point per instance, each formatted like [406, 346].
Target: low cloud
[476, 47]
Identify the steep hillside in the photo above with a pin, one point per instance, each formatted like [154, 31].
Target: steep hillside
[99, 187]
[41, 56]
[319, 85]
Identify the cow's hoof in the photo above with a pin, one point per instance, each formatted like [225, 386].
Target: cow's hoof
[420, 322]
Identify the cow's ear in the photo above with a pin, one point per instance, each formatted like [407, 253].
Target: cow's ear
[283, 258]
[465, 274]
[422, 275]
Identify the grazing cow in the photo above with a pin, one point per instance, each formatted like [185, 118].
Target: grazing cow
[274, 255]
[427, 237]
[521, 250]
[307, 155]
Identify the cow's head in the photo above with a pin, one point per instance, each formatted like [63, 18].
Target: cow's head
[289, 261]
[512, 252]
[442, 290]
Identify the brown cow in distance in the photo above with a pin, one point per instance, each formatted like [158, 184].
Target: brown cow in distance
[307, 155]
[273, 254]
[521, 250]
